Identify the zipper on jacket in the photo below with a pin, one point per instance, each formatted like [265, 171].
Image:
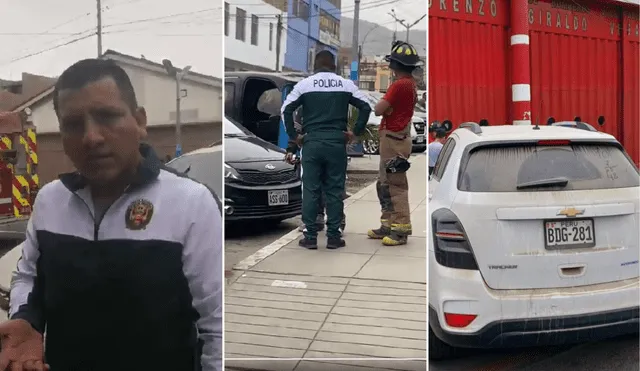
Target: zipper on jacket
[96, 222]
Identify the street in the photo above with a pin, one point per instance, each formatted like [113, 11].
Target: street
[620, 354]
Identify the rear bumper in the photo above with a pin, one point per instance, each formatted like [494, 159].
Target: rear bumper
[561, 330]
[506, 318]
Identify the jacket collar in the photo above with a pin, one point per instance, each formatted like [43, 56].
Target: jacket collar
[147, 171]
[323, 70]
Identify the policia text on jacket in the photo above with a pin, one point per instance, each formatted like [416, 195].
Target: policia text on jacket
[121, 267]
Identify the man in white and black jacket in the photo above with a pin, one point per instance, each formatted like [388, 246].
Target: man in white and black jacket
[122, 264]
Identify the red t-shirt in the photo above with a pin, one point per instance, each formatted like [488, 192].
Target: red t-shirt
[402, 98]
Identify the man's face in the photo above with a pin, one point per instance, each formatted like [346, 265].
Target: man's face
[99, 132]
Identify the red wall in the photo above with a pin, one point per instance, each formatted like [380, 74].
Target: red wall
[584, 62]
[575, 64]
[630, 84]
[469, 76]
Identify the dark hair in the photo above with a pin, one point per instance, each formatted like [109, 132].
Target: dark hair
[393, 65]
[577, 119]
[440, 133]
[91, 70]
[484, 122]
[551, 121]
[324, 60]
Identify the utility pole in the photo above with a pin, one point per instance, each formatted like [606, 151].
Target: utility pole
[178, 75]
[99, 28]
[359, 61]
[278, 37]
[355, 42]
[178, 117]
[406, 25]
[395, 25]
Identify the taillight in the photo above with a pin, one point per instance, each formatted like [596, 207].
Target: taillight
[459, 320]
[452, 247]
[554, 142]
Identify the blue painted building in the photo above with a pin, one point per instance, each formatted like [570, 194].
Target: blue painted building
[312, 26]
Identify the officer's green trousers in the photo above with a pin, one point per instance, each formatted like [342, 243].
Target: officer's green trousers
[325, 168]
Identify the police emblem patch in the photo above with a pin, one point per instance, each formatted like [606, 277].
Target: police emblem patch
[139, 214]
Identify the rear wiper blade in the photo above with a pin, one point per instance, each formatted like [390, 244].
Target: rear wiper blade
[552, 182]
[187, 169]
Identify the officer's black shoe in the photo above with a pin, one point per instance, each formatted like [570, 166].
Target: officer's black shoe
[308, 243]
[335, 243]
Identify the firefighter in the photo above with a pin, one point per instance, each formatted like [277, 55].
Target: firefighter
[122, 262]
[396, 109]
[325, 98]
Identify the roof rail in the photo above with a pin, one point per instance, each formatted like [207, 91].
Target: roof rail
[575, 125]
[474, 127]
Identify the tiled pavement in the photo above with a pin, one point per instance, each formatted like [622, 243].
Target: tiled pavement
[362, 307]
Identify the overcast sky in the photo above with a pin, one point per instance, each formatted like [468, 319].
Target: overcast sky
[130, 27]
[377, 11]
[154, 28]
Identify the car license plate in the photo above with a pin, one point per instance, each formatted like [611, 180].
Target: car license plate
[569, 233]
[278, 198]
[419, 139]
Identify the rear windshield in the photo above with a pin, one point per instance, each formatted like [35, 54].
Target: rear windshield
[533, 168]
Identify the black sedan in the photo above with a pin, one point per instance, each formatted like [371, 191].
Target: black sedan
[258, 184]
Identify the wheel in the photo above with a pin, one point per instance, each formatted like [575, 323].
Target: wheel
[370, 147]
[438, 349]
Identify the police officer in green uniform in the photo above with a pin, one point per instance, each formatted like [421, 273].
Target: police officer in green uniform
[325, 98]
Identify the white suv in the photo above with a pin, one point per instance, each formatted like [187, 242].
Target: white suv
[533, 239]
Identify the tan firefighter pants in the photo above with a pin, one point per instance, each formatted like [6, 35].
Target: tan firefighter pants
[393, 188]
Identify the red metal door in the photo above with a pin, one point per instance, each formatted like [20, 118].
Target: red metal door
[630, 85]
[468, 61]
[575, 63]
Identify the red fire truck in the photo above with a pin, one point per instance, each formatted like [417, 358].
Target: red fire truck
[18, 165]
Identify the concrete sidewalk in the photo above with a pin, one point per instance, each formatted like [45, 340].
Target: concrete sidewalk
[334, 309]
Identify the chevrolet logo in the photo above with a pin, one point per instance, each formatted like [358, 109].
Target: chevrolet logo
[571, 212]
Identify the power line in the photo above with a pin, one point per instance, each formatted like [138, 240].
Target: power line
[341, 12]
[198, 21]
[46, 50]
[161, 18]
[92, 32]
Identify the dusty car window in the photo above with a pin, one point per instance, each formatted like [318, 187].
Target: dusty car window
[540, 168]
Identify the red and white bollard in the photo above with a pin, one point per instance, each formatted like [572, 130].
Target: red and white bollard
[521, 70]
